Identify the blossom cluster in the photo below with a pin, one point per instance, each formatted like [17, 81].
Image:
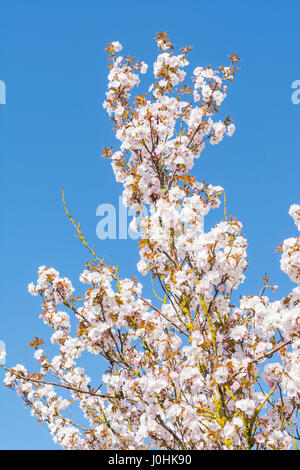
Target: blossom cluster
[189, 369]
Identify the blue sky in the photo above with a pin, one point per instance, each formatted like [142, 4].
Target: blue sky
[53, 129]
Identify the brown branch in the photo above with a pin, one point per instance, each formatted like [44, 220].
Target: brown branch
[55, 384]
[179, 441]
[263, 356]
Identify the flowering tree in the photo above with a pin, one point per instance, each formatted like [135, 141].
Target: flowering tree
[190, 370]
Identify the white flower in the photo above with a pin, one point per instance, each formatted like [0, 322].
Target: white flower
[32, 289]
[117, 46]
[231, 129]
[2, 355]
[228, 430]
[144, 67]
[38, 354]
[221, 375]
[238, 332]
[133, 225]
[247, 405]
[142, 267]
[218, 96]
[294, 212]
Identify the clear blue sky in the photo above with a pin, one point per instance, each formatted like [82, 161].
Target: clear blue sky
[53, 129]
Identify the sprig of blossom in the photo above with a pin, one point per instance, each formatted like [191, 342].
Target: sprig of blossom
[182, 369]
